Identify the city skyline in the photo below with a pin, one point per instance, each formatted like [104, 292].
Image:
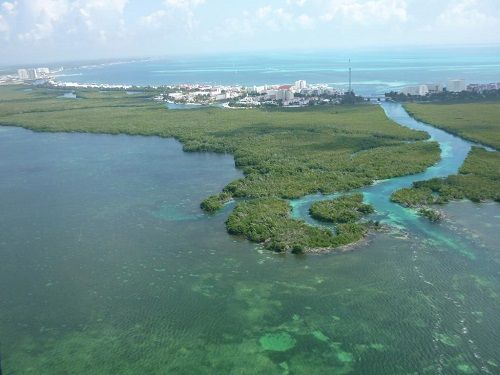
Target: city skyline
[61, 30]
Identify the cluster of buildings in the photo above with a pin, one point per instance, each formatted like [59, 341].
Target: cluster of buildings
[200, 94]
[422, 90]
[298, 94]
[33, 74]
[75, 85]
[480, 87]
[27, 75]
[454, 85]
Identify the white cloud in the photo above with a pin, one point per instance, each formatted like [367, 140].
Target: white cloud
[9, 7]
[465, 13]
[175, 13]
[263, 12]
[280, 19]
[299, 3]
[156, 19]
[45, 15]
[306, 21]
[366, 12]
[117, 6]
[105, 27]
[184, 3]
[53, 19]
[102, 17]
[4, 27]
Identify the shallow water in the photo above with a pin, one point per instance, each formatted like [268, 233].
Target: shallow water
[67, 95]
[454, 150]
[109, 266]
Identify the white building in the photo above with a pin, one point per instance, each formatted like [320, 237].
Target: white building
[43, 71]
[284, 95]
[435, 88]
[271, 94]
[27, 74]
[176, 95]
[299, 85]
[22, 74]
[420, 90]
[423, 90]
[32, 74]
[456, 85]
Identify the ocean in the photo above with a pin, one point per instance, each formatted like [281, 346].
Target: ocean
[373, 72]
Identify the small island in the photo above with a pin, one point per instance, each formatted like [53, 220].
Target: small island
[268, 221]
[345, 209]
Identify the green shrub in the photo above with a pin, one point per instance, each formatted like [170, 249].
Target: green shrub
[214, 203]
[346, 209]
[478, 180]
[431, 214]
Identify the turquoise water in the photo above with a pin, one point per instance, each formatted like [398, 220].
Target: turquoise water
[454, 150]
[373, 71]
[109, 266]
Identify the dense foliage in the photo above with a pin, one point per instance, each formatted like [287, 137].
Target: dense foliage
[479, 122]
[345, 209]
[447, 97]
[478, 180]
[284, 153]
[268, 221]
[430, 213]
[214, 202]
[479, 177]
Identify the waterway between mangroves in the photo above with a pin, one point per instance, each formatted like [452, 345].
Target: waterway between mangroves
[454, 150]
[107, 265]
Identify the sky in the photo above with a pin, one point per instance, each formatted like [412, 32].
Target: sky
[63, 30]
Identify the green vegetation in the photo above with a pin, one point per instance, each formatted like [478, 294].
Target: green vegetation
[431, 214]
[283, 153]
[478, 180]
[268, 221]
[479, 122]
[214, 203]
[479, 177]
[447, 97]
[346, 209]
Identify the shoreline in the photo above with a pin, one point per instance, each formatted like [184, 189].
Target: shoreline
[191, 149]
[475, 142]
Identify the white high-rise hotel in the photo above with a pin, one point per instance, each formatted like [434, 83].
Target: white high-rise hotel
[32, 73]
[456, 85]
[301, 84]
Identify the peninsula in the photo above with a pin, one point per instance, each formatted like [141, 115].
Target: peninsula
[283, 153]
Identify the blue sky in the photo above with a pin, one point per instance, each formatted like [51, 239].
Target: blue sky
[52, 30]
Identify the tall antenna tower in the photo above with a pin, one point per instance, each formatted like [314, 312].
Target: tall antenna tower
[350, 77]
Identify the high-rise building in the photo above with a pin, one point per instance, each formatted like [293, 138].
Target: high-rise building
[43, 71]
[22, 74]
[28, 74]
[301, 84]
[434, 88]
[456, 85]
[32, 74]
[350, 77]
[284, 95]
[420, 90]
